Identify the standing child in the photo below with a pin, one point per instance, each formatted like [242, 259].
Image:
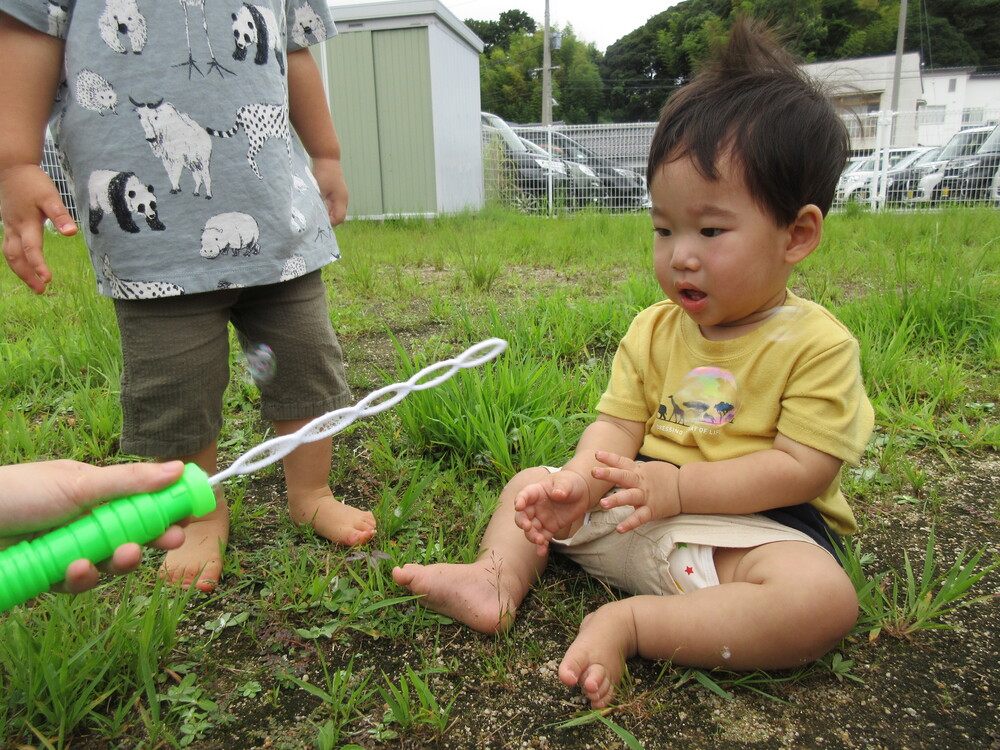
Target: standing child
[140, 93]
[708, 486]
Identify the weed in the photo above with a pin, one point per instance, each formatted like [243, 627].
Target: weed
[901, 603]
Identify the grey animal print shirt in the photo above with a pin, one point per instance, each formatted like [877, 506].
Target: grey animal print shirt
[172, 124]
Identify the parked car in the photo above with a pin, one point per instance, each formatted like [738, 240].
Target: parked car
[926, 188]
[583, 188]
[969, 178]
[523, 176]
[898, 178]
[625, 188]
[859, 183]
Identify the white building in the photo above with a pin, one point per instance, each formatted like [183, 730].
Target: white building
[932, 104]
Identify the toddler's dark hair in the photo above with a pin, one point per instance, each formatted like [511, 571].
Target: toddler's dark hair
[752, 102]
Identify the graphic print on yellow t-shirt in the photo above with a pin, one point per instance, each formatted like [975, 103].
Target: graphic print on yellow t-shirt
[706, 396]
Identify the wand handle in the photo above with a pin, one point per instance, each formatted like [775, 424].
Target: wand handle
[31, 567]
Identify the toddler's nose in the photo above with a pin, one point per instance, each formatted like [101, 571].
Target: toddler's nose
[685, 258]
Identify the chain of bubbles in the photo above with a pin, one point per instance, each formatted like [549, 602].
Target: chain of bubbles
[377, 401]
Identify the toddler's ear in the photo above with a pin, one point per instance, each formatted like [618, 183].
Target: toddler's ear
[804, 234]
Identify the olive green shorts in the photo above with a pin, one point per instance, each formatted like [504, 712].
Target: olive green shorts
[175, 353]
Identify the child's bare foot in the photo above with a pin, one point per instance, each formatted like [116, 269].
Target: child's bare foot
[596, 659]
[198, 562]
[478, 595]
[331, 519]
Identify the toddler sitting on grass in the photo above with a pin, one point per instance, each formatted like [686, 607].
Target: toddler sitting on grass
[709, 484]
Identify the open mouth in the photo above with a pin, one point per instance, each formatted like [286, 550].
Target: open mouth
[694, 295]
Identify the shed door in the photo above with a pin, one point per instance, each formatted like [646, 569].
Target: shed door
[405, 127]
[352, 102]
[381, 102]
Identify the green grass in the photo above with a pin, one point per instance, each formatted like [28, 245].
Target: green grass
[128, 666]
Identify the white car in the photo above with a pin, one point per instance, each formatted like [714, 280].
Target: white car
[859, 183]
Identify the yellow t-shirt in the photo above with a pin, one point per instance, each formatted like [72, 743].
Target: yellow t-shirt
[798, 374]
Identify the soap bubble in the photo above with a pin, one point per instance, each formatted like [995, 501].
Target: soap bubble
[260, 363]
[783, 323]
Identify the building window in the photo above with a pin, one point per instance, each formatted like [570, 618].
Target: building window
[952, 85]
[972, 116]
[932, 114]
[860, 113]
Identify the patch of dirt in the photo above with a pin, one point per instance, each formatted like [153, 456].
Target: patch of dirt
[937, 689]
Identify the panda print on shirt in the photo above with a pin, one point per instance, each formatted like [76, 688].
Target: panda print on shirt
[144, 94]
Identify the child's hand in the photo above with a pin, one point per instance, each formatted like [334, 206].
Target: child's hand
[545, 509]
[649, 487]
[27, 198]
[332, 187]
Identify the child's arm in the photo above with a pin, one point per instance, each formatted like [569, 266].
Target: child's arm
[310, 116]
[29, 76]
[544, 510]
[790, 473]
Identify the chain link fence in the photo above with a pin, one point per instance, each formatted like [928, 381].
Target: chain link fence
[52, 165]
[566, 167]
[928, 158]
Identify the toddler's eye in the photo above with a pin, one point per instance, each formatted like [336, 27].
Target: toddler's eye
[661, 232]
[711, 232]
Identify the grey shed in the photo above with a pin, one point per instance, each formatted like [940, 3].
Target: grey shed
[403, 80]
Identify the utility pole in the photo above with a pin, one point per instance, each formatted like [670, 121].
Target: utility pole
[887, 120]
[546, 72]
[900, 37]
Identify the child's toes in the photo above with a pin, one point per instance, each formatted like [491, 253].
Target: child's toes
[360, 535]
[570, 670]
[597, 686]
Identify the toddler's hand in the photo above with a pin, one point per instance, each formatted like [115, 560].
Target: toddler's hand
[332, 186]
[545, 509]
[649, 487]
[27, 198]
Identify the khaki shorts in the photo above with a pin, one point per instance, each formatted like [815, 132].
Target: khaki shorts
[175, 353]
[654, 558]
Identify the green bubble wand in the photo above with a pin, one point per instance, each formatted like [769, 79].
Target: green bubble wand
[31, 567]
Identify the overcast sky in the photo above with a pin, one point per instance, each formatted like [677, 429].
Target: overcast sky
[602, 22]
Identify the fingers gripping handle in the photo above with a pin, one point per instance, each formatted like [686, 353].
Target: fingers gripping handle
[31, 567]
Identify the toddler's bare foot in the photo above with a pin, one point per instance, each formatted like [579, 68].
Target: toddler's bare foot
[198, 562]
[478, 595]
[596, 659]
[331, 519]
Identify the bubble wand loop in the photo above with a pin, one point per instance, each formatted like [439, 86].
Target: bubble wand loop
[335, 421]
[31, 567]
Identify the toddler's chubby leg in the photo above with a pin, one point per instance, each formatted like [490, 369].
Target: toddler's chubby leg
[484, 594]
[310, 499]
[198, 562]
[779, 606]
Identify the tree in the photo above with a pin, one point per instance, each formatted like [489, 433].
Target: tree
[507, 87]
[511, 81]
[494, 34]
[576, 82]
[956, 33]
[632, 71]
[639, 71]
